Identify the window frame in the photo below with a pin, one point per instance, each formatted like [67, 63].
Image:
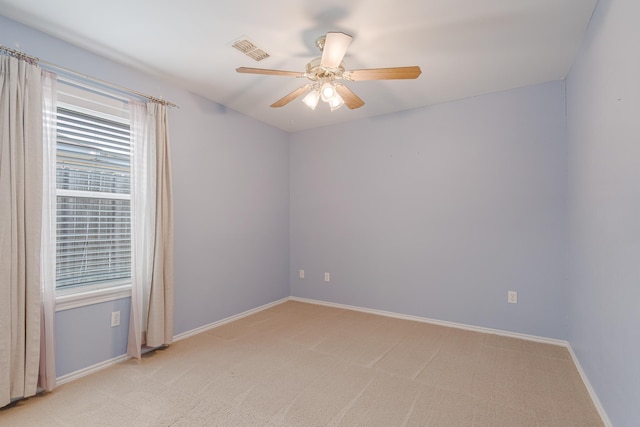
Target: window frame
[83, 295]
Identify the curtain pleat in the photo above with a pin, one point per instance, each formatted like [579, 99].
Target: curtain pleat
[20, 227]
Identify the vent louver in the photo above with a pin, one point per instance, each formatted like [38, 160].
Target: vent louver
[251, 50]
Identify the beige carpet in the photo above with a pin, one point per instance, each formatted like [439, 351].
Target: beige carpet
[300, 364]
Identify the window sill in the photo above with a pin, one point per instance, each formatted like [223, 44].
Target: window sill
[66, 301]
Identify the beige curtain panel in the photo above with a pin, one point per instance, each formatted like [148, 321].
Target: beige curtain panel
[20, 227]
[151, 323]
[160, 316]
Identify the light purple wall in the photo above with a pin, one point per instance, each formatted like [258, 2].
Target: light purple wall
[603, 113]
[231, 189]
[232, 238]
[94, 341]
[439, 211]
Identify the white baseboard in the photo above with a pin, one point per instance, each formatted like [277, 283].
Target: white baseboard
[590, 389]
[473, 328]
[204, 328]
[90, 369]
[585, 379]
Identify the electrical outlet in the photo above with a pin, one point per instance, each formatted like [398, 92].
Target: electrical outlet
[327, 277]
[302, 274]
[115, 318]
[512, 297]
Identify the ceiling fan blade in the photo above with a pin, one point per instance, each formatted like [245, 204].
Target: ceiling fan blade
[290, 97]
[335, 46]
[383, 73]
[265, 71]
[350, 99]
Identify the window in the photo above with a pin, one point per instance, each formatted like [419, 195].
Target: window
[93, 223]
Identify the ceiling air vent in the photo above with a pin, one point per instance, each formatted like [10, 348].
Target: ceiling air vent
[251, 50]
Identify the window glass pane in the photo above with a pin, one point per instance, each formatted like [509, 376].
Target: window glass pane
[93, 154]
[93, 241]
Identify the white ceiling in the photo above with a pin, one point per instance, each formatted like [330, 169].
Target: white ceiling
[464, 47]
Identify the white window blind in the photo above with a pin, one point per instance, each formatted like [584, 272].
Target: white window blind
[93, 240]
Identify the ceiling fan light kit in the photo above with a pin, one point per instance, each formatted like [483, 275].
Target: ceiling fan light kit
[325, 70]
[327, 93]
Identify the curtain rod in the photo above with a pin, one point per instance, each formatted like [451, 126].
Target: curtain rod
[35, 60]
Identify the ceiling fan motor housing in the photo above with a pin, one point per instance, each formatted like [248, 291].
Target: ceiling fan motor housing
[316, 72]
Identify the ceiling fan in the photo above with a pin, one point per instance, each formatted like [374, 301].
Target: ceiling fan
[326, 71]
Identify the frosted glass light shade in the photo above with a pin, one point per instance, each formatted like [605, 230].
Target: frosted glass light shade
[312, 98]
[336, 102]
